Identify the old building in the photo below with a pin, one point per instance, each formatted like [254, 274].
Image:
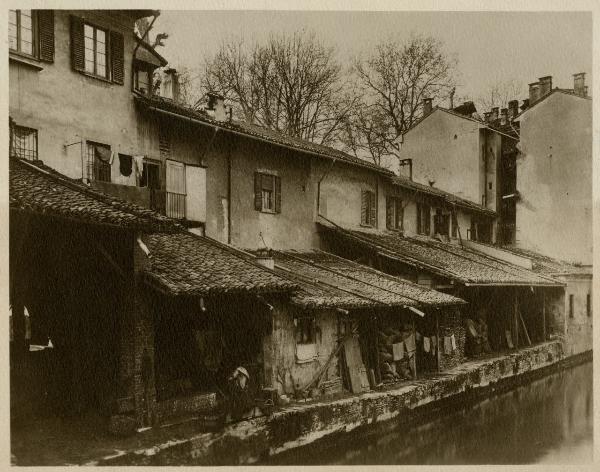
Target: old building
[554, 169]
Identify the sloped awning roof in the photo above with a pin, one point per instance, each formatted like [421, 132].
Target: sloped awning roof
[450, 261]
[328, 281]
[38, 189]
[549, 266]
[192, 265]
[257, 132]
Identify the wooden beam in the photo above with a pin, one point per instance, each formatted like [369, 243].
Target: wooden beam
[109, 259]
[437, 339]
[525, 329]
[516, 320]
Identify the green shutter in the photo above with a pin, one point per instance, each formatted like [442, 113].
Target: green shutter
[45, 20]
[364, 207]
[77, 45]
[372, 210]
[257, 191]
[117, 59]
[277, 194]
[389, 213]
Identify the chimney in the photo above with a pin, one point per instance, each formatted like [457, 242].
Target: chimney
[427, 106]
[452, 92]
[216, 106]
[545, 86]
[513, 109]
[486, 116]
[494, 114]
[579, 84]
[534, 92]
[169, 87]
[265, 258]
[503, 116]
[525, 104]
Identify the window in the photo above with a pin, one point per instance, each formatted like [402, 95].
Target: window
[125, 165]
[95, 51]
[143, 81]
[305, 330]
[394, 213]
[368, 209]
[454, 225]
[267, 193]
[23, 142]
[571, 306]
[441, 223]
[423, 219]
[150, 175]
[21, 31]
[99, 160]
[588, 305]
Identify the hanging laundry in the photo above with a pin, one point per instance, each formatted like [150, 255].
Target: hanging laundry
[426, 345]
[139, 165]
[410, 343]
[447, 345]
[418, 336]
[453, 341]
[398, 351]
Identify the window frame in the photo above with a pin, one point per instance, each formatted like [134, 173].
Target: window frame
[145, 165]
[13, 128]
[275, 191]
[395, 203]
[571, 306]
[34, 35]
[96, 169]
[305, 324]
[421, 207]
[370, 215]
[107, 60]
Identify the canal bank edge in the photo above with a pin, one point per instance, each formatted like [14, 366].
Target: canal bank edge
[303, 424]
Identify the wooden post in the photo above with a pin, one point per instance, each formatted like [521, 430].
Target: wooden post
[415, 354]
[516, 320]
[544, 315]
[437, 338]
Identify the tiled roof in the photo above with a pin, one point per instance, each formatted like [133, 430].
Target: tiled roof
[447, 260]
[188, 264]
[255, 131]
[552, 92]
[547, 265]
[37, 188]
[331, 281]
[438, 193]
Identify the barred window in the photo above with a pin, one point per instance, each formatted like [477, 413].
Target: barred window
[98, 161]
[21, 31]
[23, 142]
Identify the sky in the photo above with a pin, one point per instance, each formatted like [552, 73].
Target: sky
[489, 46]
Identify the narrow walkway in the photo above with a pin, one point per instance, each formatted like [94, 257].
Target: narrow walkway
[54, 441]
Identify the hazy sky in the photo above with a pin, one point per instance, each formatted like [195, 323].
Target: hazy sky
[489, 46]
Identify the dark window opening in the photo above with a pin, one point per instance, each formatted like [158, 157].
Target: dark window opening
[150, 176]
[23, 142]
[305, 330]
[125, 165]
[267, 193]
[99, 160]
[368, 208]
[589, 305]
[441, 223]
[423, 219]
[394, 213]
[571, 306]
[143, 81]
[454, 225]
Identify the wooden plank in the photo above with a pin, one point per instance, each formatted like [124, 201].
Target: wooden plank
[525, 329]
[544, 315]
[356, 368]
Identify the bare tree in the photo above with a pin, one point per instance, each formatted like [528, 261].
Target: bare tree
[498, 94]
[394, 80]
[290, 83]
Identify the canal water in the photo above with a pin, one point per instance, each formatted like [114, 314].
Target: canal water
[547, 421]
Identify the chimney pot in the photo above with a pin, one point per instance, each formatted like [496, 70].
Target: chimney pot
[534, 91]
[579, 87]
[427, 106]
[525, 104]
[216, 106]
[503, 116]
[513, 109]
[494, 114]
[486, 116]
[545, 86]
[170, 85]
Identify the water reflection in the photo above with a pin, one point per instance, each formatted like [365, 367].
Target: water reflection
[547, 421]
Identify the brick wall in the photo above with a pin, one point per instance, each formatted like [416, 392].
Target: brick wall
[450, 323]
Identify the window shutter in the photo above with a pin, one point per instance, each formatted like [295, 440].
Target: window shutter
[117, 59]
[77, 47]
[389, 213]
[399, 214]
[46, 34]
[427, 225]
[257, 191]
[277, 194]
[419, 218]
[364, 208]
[372, 210]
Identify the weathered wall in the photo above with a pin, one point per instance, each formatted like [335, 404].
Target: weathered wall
[66, 106]
[287, 372]
[451, 323]
[578, 329]
[445, 148]
[554, 179]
